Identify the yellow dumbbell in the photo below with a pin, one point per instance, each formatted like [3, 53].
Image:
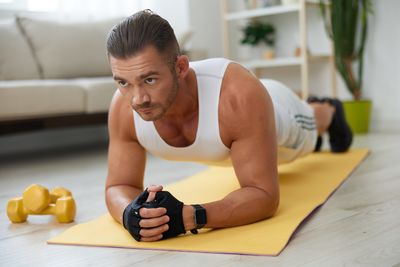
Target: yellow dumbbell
[64, 209]
[36, 197]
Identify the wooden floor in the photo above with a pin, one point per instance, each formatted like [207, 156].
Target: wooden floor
[358, 226]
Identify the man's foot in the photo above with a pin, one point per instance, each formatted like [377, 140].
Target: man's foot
[340, 134]
[318, 145]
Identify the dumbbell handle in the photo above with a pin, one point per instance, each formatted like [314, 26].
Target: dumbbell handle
[66, 217]
[53, 198]
[57, 193]
[50, 210]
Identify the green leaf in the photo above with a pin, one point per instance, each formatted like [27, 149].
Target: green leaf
[346, 22]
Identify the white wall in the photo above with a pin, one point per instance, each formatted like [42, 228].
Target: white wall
[175, 11]
[382, 65]
[205, 21]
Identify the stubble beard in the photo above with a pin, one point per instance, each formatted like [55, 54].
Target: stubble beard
[163, 108]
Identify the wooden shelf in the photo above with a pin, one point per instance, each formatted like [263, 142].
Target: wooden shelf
[319, 57]
[260, 12]
[280, 62]
[316, 3]
[276, 62]
[302, 61]
[268, 11]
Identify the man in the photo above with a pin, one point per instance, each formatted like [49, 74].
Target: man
[212, 111]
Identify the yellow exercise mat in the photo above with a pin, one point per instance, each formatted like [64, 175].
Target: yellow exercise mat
[305, 184]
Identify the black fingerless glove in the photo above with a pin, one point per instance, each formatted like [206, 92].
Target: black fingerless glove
[131, 216]
[174, 208]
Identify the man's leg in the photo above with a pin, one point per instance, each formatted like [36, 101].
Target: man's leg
[295, 122]
[323, 113]
[330, 117]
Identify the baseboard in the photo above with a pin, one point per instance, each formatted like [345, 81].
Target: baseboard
[385, 126]
[52, 139]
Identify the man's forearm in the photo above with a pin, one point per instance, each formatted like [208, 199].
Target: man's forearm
[118, 197]
[243, 206]
[240, 207]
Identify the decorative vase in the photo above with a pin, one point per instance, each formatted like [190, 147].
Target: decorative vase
[358, 115]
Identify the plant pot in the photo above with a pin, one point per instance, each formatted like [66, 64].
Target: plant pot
[358, 115]
[263, 51]
[268, 54]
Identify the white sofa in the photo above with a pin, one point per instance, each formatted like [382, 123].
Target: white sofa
[53, 69]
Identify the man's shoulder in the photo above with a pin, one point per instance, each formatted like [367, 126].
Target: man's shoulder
[244, 104]
[118, 106]
[243, 98]
[210, 67]
[239, 83]
[120, 118]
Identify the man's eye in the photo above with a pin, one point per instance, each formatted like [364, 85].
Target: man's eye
[123, 84]
[150, 81]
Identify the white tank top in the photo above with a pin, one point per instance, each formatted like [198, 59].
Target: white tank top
[207, 147]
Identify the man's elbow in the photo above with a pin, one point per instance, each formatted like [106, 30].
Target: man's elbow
[272, 204]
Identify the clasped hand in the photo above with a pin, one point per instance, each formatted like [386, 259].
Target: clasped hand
[154, 215]
[154, 221]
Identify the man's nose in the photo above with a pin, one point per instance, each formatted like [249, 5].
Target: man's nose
[140, 97]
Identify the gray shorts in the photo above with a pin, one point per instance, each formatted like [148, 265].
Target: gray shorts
[295, 122]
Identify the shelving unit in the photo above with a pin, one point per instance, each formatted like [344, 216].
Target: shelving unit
[259, 12]
[258, 64]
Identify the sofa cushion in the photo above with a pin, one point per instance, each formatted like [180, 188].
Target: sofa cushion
[99, 92]
[69, 49]
[16, 59]
[37, 98]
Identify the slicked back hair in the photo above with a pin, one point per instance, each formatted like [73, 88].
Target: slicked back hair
[140, 30]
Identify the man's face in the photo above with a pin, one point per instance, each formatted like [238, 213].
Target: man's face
[147, 81]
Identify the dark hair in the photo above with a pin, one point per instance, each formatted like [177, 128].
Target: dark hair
[140, 30]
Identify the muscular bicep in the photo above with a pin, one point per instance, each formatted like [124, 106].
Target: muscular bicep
[250, 115]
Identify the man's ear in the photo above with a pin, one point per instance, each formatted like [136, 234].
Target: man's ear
[182, 66]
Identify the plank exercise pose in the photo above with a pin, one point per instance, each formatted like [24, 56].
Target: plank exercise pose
[212, 111]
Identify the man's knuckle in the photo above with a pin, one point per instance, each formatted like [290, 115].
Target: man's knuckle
[144, 212]
[142, 233]
[143, 223]
[166, 218]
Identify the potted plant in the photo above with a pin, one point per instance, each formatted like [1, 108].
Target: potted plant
[346, 22]
[259, 33]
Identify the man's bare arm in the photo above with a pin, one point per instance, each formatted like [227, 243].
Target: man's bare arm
[247, 118]
[126, 164]
[126, 159]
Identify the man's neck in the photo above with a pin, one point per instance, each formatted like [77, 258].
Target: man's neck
[185, 105]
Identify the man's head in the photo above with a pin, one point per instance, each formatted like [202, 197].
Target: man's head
[140, 30]
[146, 63]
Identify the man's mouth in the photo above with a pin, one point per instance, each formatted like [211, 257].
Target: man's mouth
[145, 110]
